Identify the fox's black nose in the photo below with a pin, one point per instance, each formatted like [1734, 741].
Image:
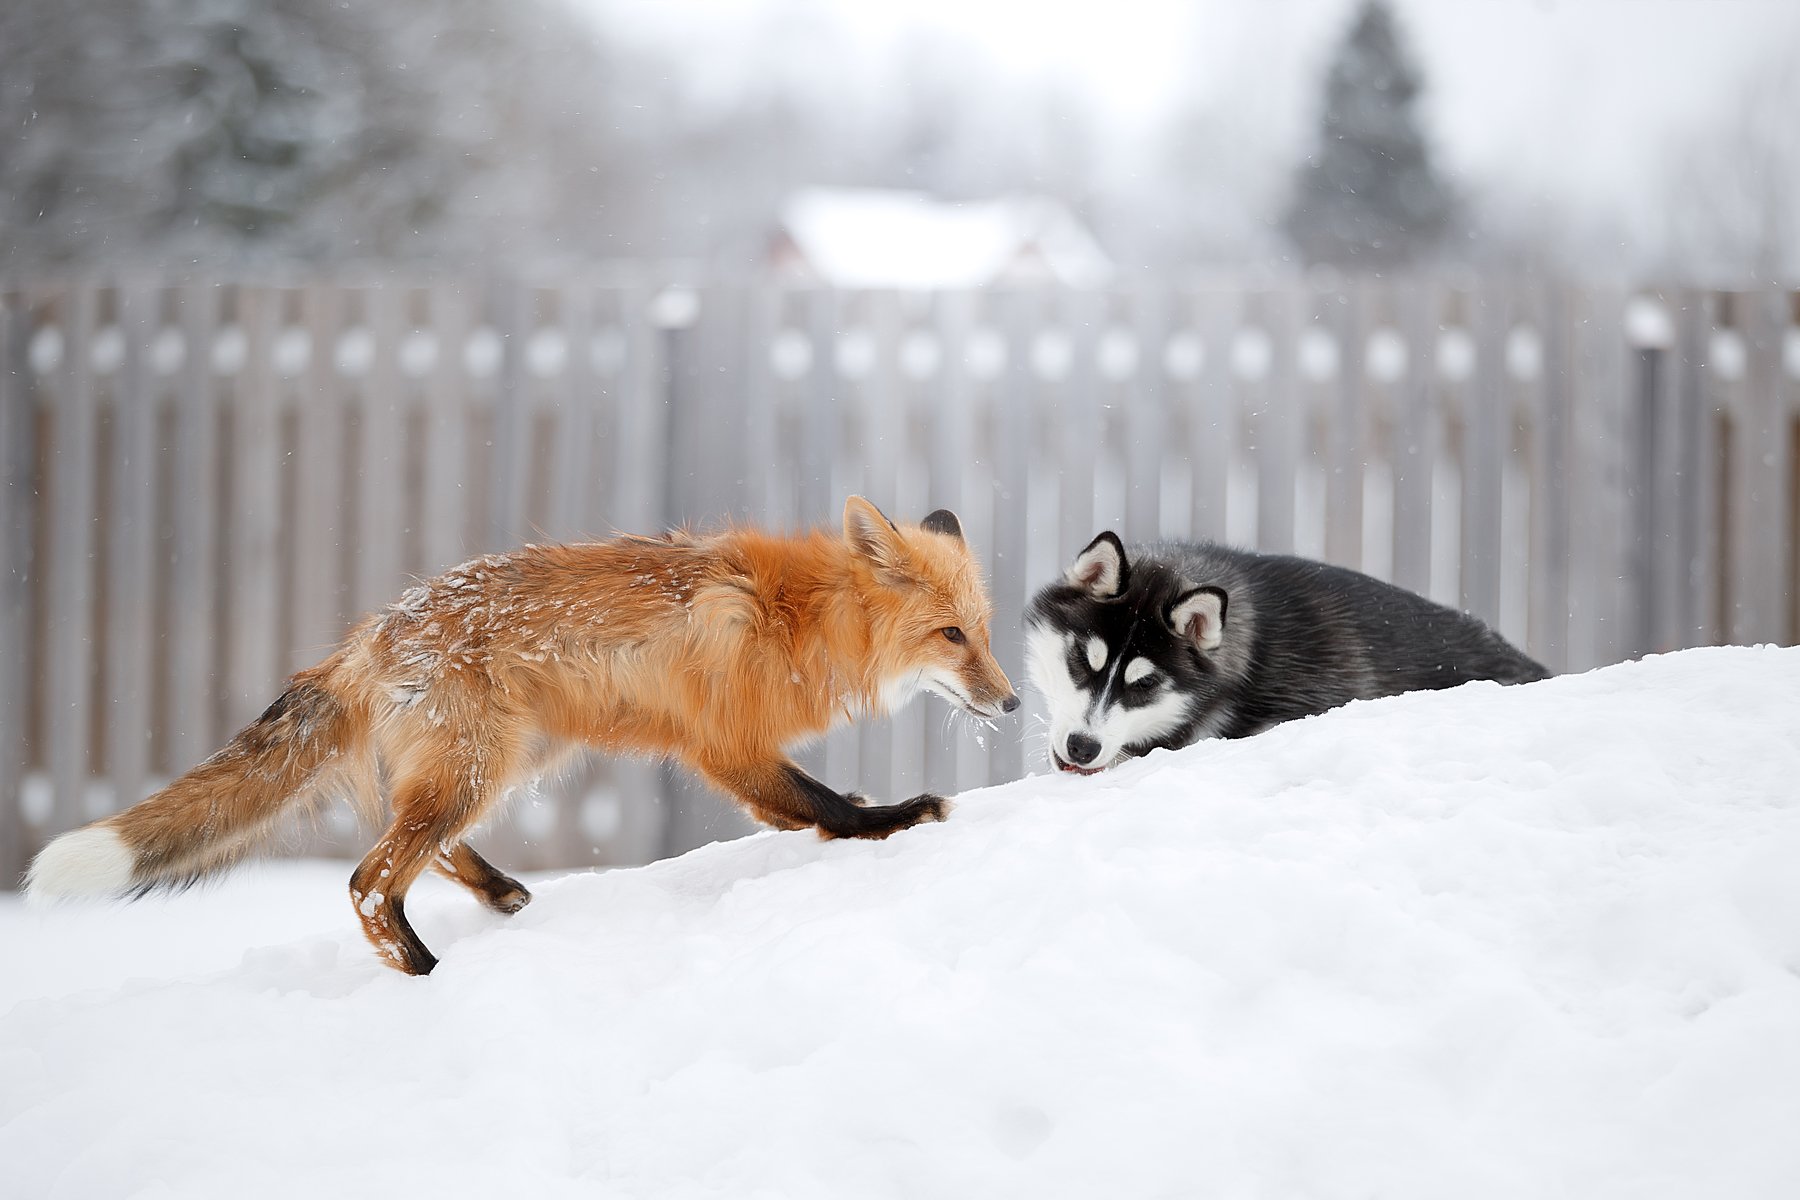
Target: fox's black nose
[1082, 749]
[1010, 704]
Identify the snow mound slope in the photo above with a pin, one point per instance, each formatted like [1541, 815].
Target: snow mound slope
[1539, 941]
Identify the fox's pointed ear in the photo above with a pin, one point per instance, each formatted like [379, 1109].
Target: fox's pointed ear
[1101, 570]
[869, 532]
[943, 521]
[1199, 616]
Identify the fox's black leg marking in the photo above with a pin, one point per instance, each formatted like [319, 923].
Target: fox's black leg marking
[781, 794]
[384, 919]
[839, 815]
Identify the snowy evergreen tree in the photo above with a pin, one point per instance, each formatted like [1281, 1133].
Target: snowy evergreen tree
[1368, 196]
[269, 120]
[225, 131]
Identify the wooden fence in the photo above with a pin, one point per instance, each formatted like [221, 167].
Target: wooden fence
[205, 482]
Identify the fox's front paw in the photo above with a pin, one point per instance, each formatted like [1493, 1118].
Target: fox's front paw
[892, 818]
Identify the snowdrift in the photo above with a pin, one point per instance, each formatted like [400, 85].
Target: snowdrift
[1541, 941]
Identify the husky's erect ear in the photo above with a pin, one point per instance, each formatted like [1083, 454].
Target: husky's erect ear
[943, 521]
[1199, 616]
[1101, 570]
[869, 532]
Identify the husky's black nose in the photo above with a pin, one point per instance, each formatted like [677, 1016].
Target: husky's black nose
[1010, 704]
[1082, 749]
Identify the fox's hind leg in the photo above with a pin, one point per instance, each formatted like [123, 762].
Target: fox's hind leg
[433, 805]
[497, 890]
[781, 794]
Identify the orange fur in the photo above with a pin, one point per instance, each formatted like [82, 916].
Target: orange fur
[722, 651]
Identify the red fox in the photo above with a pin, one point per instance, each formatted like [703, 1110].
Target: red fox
[722, 651]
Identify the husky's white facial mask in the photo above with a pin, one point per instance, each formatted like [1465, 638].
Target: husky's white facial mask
[1121, 658]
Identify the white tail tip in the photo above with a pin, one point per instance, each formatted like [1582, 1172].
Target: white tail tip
[93, 861]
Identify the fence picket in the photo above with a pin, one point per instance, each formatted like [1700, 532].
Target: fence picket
[129, 533]
[1416, 441]
[1280, 419]
[318, 596]
[380, 457]
[1144, 394]
[18, 469]
[1215, 415]
[1758, 471]
[1597, 557]
[69, 616]
[1694, 431]
[1347, 439]
[1487, 443]
[252, 518]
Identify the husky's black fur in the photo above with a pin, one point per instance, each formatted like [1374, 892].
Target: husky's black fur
[1233, 643]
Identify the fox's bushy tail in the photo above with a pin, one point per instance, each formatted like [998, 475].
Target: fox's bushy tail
[212, 816]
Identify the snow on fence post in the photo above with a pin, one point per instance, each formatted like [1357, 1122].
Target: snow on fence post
[69, 619]
[130, 532]
[18, 472]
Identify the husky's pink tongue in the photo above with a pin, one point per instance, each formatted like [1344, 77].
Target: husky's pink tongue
[1075, 770]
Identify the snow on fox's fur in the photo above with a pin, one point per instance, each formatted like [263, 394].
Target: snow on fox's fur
[722, 651]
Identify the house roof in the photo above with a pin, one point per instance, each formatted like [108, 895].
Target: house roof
[856, 237]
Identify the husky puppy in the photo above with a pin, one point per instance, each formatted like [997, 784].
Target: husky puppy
[1178, 641]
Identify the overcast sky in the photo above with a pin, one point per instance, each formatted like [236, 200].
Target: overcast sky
[1580, 101]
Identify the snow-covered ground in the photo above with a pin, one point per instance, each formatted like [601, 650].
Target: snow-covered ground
[1538, 942]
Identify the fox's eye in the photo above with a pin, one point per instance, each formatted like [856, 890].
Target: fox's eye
[954, 634]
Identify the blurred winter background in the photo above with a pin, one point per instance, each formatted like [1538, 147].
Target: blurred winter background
[1625, 136]
[302, 299]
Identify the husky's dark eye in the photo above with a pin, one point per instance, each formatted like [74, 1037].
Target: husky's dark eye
[954, 634]
[1143, 683]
